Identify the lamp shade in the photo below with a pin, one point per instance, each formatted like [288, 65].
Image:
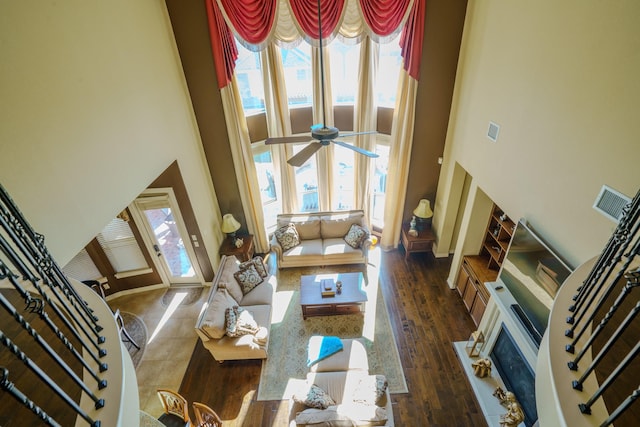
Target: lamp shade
[229, 224]
[423, 210]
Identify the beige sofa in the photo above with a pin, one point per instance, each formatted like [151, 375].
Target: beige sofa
[211, 327]
[321, 237]
[341, 376]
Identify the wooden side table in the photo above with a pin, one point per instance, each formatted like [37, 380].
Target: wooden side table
[243, 253]
[420, 243]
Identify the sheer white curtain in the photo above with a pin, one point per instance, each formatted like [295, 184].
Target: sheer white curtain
[243, 163]
[365, 119]
[278, 123]
[399, 159]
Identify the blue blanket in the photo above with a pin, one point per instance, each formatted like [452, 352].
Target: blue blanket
[328, 346]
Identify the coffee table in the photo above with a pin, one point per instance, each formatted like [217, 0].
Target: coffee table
[350, 300]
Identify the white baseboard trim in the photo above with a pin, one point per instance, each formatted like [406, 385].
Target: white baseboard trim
[136, 291]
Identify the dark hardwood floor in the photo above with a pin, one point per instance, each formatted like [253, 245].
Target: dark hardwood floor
[426, 316]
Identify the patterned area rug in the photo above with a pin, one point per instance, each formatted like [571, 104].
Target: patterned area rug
[138, 331]
[286, 362]
[186, 295]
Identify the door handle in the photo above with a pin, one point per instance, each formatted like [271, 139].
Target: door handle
[157, 249]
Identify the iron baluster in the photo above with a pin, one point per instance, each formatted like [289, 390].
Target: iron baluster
[48, 381]
[621, 408]
[9, 387]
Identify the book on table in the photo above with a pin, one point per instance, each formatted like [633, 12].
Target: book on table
[327, 287]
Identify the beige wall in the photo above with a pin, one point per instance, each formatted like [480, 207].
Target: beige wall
[94, 107]
[562, 80]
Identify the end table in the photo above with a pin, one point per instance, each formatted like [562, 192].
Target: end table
[243, 253]
[420, 243]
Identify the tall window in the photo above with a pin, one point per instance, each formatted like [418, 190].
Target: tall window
[389, 65]
[250, 83]
[298, 75]
[343, 176]
[307, 183]
[271, 203]
[380, 180]
[344, 71]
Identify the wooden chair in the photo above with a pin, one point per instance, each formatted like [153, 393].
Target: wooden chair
[176, 409]
[205, 416]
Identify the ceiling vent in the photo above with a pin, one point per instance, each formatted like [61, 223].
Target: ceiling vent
[493, 131]
[610, 203]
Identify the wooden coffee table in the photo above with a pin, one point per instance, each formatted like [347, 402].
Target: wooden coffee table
[350, 300]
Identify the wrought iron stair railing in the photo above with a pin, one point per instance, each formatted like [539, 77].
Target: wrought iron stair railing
[594, 334]
[61, 360]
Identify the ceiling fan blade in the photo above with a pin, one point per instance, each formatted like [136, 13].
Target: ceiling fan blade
[358, 133]
[357, 149]
[304, 154]
[287, 139]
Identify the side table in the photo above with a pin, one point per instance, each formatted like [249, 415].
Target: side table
[420, 243]
[243, 253]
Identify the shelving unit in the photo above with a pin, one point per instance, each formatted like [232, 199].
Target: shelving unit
[475, 270]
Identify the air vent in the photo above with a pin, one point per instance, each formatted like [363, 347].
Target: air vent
[610, 203]
[493, 131]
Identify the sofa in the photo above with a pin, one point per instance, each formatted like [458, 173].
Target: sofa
[344, 376]
[236, 319]
[321, 238]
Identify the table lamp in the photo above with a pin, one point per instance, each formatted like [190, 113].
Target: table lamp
[229, 226]
[423, 212]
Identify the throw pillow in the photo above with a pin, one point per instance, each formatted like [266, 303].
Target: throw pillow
[355, 236]
[258, 263]
[239, 322]
[214, 321]
[248, 279]
[287, 236]
[372, 390]
[314, 397]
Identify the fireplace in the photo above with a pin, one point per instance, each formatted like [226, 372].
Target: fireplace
[515, 372]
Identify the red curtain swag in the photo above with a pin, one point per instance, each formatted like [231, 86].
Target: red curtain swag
[253, 20]
[384, 16]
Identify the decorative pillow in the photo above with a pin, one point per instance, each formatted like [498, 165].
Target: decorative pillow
[314, 397]
[258, 263]
[287, 236]
[248, 279]
[355, 236]
[372, 390]
[239, 322]
[214, 321]
[352, 414]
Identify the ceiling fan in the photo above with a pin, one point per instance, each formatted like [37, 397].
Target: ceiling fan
[321, 133]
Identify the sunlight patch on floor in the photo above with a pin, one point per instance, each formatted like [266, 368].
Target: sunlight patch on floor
[281, 302]
[175, 302]
[373, 277]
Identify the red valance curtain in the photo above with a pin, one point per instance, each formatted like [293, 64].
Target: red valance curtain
[411, 39]
[223, 45]
[253, 20]
[306, 13]
[384, 16]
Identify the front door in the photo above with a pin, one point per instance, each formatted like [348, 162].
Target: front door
[166, 236]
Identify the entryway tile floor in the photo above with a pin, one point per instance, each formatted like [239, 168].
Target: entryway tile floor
[171, 339]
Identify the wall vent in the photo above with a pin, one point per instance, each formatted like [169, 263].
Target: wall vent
[493, 131]
[610, 203]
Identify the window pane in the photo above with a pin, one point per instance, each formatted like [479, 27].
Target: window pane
[249, 77]
[265, 169]
[344, 72]
[388, 73]
[380, 183]
[344, 178]
[307, 183]
[298, 76]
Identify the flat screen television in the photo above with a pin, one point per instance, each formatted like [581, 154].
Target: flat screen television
[532, 273]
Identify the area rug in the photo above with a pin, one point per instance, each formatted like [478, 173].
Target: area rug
[138, 331]
[289, 336]
[192, 295]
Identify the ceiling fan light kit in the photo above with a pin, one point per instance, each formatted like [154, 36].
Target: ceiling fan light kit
[321, 133]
